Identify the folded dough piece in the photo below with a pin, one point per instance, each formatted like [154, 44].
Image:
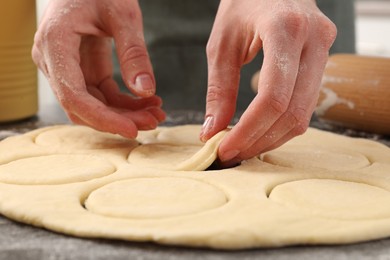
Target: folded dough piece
[176, 148]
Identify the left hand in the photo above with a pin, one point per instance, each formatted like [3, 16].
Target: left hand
[295, 37]
[73, 48]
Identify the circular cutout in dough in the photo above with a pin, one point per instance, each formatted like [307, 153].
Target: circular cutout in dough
[55, 169]
[162, 197]
[334, 199]
[81, 137]
[306, 157]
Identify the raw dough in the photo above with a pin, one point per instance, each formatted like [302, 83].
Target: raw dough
[165, 197]
[319, 188]
[176, 149]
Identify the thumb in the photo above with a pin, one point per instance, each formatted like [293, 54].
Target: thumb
[136, 68]
[223, 83]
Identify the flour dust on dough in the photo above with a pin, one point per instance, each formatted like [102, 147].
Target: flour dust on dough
[319, 188]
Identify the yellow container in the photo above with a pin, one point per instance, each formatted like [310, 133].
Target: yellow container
[18, 74]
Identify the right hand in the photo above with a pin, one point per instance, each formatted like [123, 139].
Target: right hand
[73, 49]
[295, 37]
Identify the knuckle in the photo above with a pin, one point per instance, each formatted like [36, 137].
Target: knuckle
[36, 51]
[51, 36]
[212, 49]
[279, 103]
[225, 47]
[328, 32]
[294, 24]
[300, 129]
[115, 12]
[214, 93]
[217, 93]
[131, 53]
[222, 43]
[65, 104]
[37, 40]
[129, 11]
[299, 120]
[51, 32]
[36, 55]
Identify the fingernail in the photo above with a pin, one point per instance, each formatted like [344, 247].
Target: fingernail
[207, 125]
[229, 155]
[144, 83]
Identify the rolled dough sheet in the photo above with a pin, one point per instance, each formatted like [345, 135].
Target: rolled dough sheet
[319, 188]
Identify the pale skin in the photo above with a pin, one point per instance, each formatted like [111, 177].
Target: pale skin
[73, 48]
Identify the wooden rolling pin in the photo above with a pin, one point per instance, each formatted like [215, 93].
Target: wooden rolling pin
[355, 93]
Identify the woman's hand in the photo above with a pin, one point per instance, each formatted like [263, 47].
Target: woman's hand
[73, 48]
[295, 37]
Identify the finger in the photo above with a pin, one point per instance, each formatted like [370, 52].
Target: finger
[303, 102]
[227, 50]
[143, 119]
[296, 119]
[145, 113]
[96, 114]
[68, 83]
[123, 102]
[116, 98]
[158, 113]
[275, 88]
[224, 66]
[80, 121]
[38, 59]
[127, 30]
[92, 90]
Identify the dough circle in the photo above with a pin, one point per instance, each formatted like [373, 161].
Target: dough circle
[55, 169]
[165, 197]
[303, 157]
[318, 188]
[334, 199]
[91, 139]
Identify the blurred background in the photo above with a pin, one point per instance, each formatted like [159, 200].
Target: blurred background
[373, 27]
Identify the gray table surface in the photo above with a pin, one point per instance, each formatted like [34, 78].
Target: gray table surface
[19, 241]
